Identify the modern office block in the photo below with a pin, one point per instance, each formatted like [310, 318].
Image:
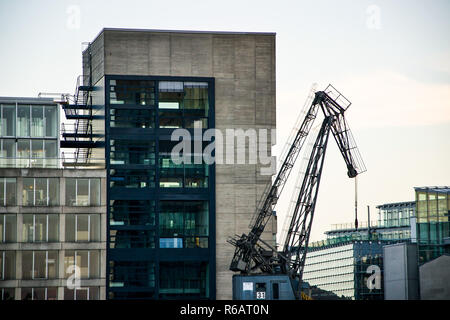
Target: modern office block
[167, 222]
[53, 221]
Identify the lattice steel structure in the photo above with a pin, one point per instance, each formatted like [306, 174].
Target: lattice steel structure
[252, 254]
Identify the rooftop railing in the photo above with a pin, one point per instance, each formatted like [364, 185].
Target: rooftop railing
[387, 223]
[356, 237]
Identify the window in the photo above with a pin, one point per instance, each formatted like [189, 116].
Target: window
[172, 119]
[8, 192]
[30, 153]
[8, 152]
[40, 228]
[132, 92]
[187, 175]
[23, 152]
[39, 264]
[132, 152]
[8, 121]
[171, 94]
[184, 220]
[37, 121]
[120, 239]
[82, 227]
[7, 294]
[132, 274]
[34, 121]
[183, 104]
[8, 230]
[132, 118]
[7, 265]
[86, 260]
[132, 212]
[82, 192]
[132, 178]
[23, 120]
[51, 121]
[40, 192]
[86, 293]
[40, 293]
[184, 279]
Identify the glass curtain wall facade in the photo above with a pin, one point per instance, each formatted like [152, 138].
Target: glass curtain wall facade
[433, 213]
[161, 222]
[29, 135]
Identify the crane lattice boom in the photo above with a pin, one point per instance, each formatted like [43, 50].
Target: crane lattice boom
[252, 254]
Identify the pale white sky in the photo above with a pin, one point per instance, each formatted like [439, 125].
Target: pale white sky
[391, 59]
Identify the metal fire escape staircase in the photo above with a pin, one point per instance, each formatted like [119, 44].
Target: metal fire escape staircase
[78, 134]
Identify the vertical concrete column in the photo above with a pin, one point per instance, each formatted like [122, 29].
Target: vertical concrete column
[19, 188]
[103, 224]
[60, 293]
[103, 192]
[103, 263]
[62, 191]
[18, 293]
[62, 227]
[19, 227]
[61, 270]
[19, 266]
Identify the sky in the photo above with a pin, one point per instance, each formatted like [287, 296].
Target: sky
[391, 59]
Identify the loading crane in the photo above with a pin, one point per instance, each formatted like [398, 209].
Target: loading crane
[268, 273]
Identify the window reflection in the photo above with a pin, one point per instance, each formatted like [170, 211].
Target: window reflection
[184, 278]
[82, 192]
[40, 192]
[8, 120]
[184, 224]
[132, 212]
[23, 120]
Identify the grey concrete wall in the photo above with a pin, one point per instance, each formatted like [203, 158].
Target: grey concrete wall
[243, 66]
[401, 277]
[435, 279]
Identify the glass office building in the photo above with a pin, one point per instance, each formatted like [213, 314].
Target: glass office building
[433, 213]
